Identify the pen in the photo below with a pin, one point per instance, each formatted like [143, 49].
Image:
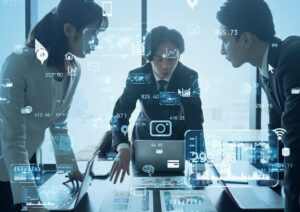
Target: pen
[235, 182]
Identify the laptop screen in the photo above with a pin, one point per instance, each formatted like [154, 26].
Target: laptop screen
[155, 156]
[239, 156]
[54, 195]
[87, 178]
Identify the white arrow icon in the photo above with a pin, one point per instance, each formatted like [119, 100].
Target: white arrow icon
[40, 51]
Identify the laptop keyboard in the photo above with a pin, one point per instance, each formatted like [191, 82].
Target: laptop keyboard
[247, 198]
[58, 197]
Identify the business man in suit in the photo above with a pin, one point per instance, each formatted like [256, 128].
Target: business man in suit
[169, 95]
[248, 35]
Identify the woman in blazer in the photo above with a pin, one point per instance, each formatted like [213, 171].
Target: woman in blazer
[43, 77]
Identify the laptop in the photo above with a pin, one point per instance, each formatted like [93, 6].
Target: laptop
[159, 156]
[249, 196]
[54, 195]
[255, 198]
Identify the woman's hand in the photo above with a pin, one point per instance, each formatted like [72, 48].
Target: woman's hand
[121, 164]
[37, 209]
[74, 176]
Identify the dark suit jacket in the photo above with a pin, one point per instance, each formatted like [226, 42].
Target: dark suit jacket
[187, 115]
[284, 57]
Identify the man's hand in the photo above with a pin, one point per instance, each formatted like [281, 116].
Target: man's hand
[121, 164]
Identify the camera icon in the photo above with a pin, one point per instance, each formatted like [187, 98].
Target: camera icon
[160, 128]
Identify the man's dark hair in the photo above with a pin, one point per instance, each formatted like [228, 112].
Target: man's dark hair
[50, 30]
[248, 16]
[160, 35]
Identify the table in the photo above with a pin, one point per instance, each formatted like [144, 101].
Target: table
[100, 193]
[100, 190]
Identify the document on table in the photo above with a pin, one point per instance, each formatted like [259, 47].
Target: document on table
[185, 201]
[160, 182]
[128, 200]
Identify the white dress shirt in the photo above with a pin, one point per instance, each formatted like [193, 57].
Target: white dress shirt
[264, 69]
[157, 78]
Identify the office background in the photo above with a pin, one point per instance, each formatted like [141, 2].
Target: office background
[228, 95]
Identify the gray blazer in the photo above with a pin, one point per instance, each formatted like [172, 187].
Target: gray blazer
[23, 134]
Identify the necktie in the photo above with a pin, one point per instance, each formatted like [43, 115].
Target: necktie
[161, 85]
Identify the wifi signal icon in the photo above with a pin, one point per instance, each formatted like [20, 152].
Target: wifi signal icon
[279, 132]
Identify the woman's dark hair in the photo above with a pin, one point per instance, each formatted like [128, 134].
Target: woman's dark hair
[50, 30]
[160, 35]
[248, 16]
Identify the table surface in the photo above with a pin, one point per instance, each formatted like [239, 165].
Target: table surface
[100, 191]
